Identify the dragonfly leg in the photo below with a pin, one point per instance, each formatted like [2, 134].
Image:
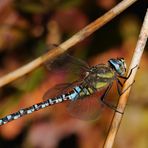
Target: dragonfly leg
[106, 103]
[129, 73]
[119, 86]
[119, 82]
[127, 88]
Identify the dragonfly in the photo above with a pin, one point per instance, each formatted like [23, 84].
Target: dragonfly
[93, 80]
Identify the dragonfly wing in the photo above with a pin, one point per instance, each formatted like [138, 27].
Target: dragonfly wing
[59, 89]
[68, 64]
[87, 108]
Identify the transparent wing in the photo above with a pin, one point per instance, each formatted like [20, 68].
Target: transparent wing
[59, 89]
[87, 108]
[68, 64]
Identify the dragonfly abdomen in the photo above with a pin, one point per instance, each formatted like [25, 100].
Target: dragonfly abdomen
[80, 91]
[32, 109]
[77, 92]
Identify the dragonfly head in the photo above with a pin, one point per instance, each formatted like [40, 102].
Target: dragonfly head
[118, 65]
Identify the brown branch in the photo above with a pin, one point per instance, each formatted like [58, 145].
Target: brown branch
[123, 99]
[82, 34]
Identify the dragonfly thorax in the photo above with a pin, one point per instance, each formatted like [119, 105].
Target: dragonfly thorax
[118, 65]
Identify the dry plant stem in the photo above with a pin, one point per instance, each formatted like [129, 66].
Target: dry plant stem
[123, 99]
[82, 34]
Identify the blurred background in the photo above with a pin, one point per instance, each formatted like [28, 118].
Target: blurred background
[26, 28]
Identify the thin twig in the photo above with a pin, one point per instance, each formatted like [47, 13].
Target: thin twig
[82, 34]
[124, 97]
